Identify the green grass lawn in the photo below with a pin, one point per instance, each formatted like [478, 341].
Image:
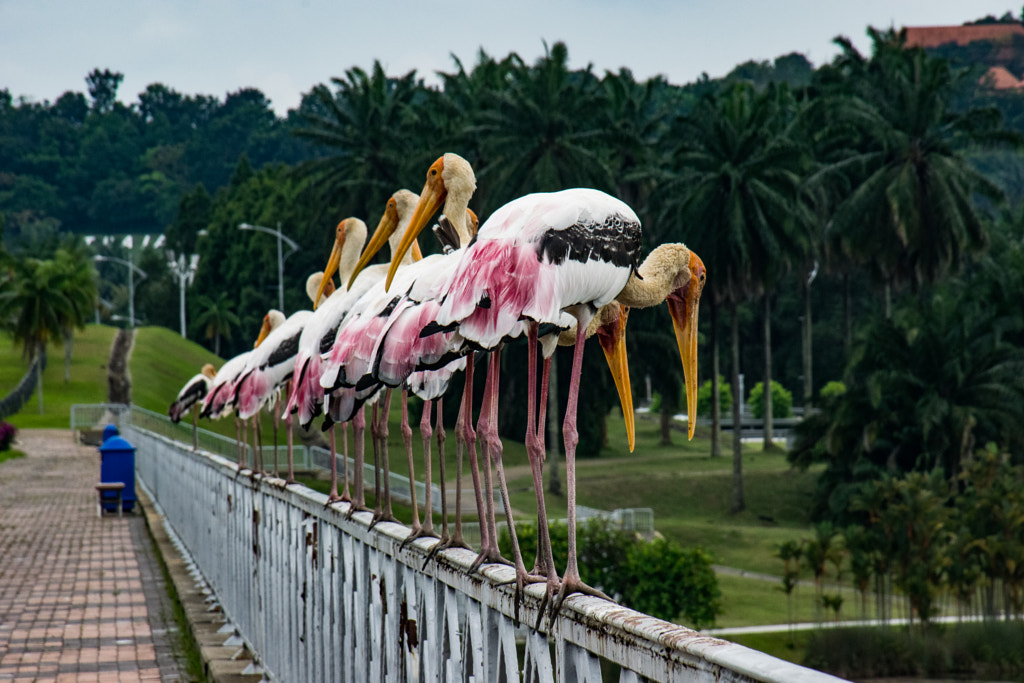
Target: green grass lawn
[689, 491]
[10, 454]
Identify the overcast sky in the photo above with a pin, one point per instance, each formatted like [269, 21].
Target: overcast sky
[213, 47]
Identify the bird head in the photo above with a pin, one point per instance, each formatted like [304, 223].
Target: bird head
[398, 205]
[449, 175]
[683, 305]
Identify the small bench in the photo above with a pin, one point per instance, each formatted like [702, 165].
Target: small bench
[117, 487]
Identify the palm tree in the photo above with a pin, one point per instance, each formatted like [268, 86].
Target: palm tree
[924, 389]
[540, 132]
[217, 318]
[909, 215]
[737, 185]
[79, 278]
[35, 301]
[365, 123]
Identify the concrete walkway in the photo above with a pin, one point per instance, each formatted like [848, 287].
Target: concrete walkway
[81, 598]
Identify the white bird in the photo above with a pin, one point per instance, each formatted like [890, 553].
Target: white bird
[190, 396]
[344, 404]
[536, 258]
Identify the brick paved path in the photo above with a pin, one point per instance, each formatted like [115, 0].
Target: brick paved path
[81, 598]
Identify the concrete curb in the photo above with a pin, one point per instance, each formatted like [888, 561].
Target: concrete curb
[225, 658]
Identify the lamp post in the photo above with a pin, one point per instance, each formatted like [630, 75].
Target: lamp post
[184, 270]
[132, 269]
[280, 259]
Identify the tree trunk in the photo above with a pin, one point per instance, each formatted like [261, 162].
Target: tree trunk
[216, 345]
[665, 419]
[39, 377]
[808, 349]
[888, 301]
[69, 342]
[738, 504]
[554, 482]
[769, 442]
[847, 317]
[716, 389]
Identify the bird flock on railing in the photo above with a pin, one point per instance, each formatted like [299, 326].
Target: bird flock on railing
[554, 267]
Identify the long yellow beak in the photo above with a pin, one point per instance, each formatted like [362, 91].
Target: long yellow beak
[612, 337]
[385, 228]
[683, 306]
[332, 263]
[431, 199]
[264, 331]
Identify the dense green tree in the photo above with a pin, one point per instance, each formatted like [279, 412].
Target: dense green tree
[363, 123]
[924, 389]
[738, 180]
[217, 319]
[909, 216]
[34, 300]
[74, 264]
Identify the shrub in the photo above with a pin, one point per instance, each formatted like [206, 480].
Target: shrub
[704, 397]
[832, 389]
[782, 400]
[7, 434]
[659, 578]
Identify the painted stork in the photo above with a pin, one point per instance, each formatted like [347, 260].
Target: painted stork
[306, 396]
[536, 258]
[361, 309]
[220, 401]
[270, 367]
[450, 182]
[423, 366]
[190, 396]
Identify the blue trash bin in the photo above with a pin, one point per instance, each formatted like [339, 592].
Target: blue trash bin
[117, 463]
[109, 431]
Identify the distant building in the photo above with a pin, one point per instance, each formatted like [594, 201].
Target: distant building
[1003, 47]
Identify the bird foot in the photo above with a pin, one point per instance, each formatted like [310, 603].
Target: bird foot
[332, 499]
[570, 585]
[379, 516]
[521, 580]
[488, 556]
[354, 508]
[417, 533]
[451, 542]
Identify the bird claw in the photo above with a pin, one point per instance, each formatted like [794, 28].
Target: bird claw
[450, 542]
[417, 533]
[354, 508]
[488, 556]
[381, 517]
[569, 586]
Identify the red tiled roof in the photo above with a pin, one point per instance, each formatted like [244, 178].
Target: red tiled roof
[934, 36]
[1000, 78]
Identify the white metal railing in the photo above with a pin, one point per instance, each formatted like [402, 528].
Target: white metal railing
[98, 415]
[322, 597]
[307, 458]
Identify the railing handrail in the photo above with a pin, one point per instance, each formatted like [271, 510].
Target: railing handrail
[303, 581]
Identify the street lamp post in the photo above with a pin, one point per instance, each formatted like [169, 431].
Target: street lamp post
[132, 269]
[280, 259]
[184, 270]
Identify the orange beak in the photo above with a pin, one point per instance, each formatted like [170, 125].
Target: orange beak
[332, 264]
[264, 331]
[431, 199]
[385, 228]
[612, 337]
[683, 306]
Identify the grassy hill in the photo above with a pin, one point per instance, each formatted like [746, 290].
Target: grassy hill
[161, 363]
